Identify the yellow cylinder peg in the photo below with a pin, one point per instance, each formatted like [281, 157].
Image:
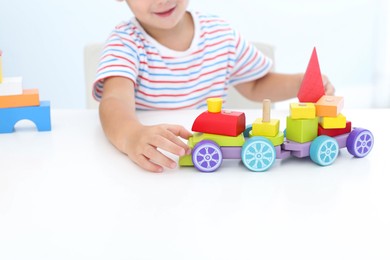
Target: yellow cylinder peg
[214, 105]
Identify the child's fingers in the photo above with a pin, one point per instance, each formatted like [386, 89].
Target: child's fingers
[146, 164]
[158, 158]
[179, 131]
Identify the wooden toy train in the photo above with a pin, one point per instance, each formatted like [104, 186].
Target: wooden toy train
[315, 127]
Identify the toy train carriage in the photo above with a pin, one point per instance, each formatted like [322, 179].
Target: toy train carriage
[223, 135]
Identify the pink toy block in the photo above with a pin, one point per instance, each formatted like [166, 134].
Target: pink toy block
[228, 123]
[39, 115]
[335, 132]
[330, 106]
[312, 87]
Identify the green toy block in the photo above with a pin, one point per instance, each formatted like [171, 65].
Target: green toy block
[186, 160]
[301, 130]
[221, 140]
[275, 140]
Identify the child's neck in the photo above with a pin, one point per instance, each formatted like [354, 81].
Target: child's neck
[178, 38]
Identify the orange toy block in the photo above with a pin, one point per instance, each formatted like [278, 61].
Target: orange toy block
[330, 106]
[30, 97]
[312, 87]
[335, 132]
[339, 121]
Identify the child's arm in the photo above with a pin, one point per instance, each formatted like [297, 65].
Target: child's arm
[277, 87]
[127, 134]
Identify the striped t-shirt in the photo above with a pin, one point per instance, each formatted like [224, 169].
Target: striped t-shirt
[166, 79]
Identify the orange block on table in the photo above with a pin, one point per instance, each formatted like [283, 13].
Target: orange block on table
[329, 106]
[30, 97]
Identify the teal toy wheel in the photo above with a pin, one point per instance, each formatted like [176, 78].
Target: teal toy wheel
[324, 150]
[258, 154]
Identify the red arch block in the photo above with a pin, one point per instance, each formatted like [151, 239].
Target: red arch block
[228, 123]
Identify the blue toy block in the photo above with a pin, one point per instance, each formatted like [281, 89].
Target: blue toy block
[39, 115]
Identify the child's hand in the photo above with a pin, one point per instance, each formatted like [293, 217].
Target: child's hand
[144, 145]
[329, 88]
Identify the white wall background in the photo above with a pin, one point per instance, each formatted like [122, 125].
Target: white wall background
[43, 41]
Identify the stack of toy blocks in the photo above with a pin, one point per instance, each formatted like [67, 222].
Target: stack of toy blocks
[18, 104]
[316, 114]
[332, 121]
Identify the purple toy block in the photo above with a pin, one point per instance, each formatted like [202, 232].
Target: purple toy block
[297, 149]
[231, 152]
[281, 154]
[342, 140]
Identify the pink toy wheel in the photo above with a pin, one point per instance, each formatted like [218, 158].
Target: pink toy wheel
[360, 142]
[207, 156]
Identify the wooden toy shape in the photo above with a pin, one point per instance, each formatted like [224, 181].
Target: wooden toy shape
[298, 150]
[302, 110]
[266, 126]
[330, 106]
[39, 115]
[30, 97]
[233, 152]
[339, 121]
[301, 130]
[228, 123]
[11, 86]
[335, 132]
[214, 105]
[221, 140]
[227, 141]
[276, 140]
[312, 87]
[281, 153]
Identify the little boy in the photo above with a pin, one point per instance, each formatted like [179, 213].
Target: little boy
[169, 58]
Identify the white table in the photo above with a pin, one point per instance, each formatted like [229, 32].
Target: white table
[69, 194]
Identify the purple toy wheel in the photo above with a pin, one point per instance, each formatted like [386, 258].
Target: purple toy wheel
[207, 156]
[360, 142]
